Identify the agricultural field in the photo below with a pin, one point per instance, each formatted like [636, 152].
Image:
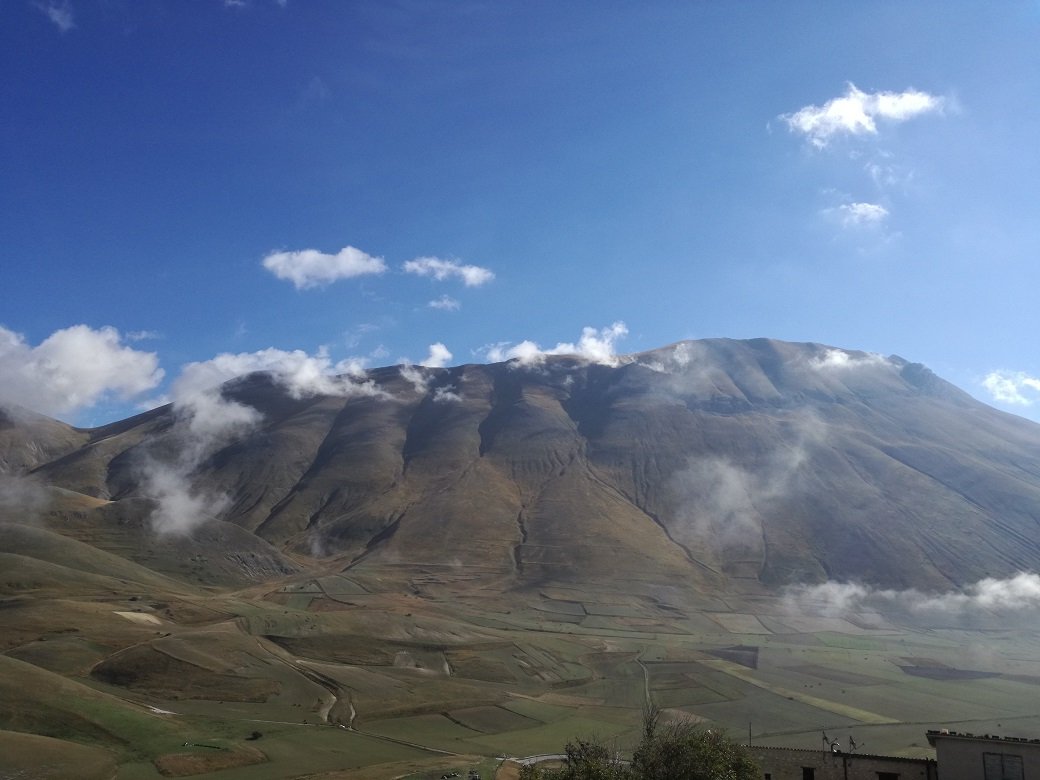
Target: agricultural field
[366, 674]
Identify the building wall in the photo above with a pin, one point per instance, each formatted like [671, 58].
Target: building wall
[962, 757]
[790, 763]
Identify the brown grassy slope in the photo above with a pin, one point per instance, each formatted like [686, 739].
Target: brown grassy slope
[28, 439]
[726, 464]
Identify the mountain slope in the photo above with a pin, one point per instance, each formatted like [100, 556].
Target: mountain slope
[725, 465]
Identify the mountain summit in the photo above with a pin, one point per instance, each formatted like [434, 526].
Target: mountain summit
[729, 466]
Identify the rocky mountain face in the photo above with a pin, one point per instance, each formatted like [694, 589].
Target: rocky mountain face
[724, 465]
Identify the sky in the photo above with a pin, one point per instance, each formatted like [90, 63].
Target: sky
[196, 188]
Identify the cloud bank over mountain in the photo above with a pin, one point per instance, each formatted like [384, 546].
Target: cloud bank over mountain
[73, 369]
[594, 346]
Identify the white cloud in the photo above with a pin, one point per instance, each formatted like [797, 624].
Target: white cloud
[142, 335]
[526, 352]
[852, 215]
[59, 13]
[198, 399]
[445, 303]
[471, 275]
[73, 369]
[1013, 594]
[300, 373]
[594, 346]
[438, 357]
[857, 112]
[719, 502]
[837, 359]
[310, 268]
[205, 421]
[446, 395]
[415, 376]
[1012, 387]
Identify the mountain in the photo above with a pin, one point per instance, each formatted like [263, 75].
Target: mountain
[418, 570]
[728, 466]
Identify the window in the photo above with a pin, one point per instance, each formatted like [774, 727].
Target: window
[808, 773]
[1002, 766]
[888, 776]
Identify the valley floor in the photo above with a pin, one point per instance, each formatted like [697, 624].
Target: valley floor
[380, 672]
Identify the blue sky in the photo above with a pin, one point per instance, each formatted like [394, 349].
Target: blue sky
[182, 180]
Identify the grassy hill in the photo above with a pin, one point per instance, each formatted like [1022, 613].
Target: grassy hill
[489, 560]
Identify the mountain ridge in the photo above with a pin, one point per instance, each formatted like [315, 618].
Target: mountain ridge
[725, 464]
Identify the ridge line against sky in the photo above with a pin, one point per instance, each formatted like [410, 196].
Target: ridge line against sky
[326, 186]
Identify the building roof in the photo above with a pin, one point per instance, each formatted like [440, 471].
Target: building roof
[934, 734]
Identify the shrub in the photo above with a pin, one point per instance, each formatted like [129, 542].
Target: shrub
[680, 750]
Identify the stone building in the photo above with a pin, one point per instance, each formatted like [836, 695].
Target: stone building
[778, 763]
[985, 757]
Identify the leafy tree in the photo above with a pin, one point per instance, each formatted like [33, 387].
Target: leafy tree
[680, 750]
[586, 760]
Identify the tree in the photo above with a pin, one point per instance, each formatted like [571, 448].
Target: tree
[679, 750]
[586, 760]
[682, 750]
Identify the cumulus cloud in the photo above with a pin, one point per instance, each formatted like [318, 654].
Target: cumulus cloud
[526, 352]
[594, 346]
[471, 275]
[300, 373]
[59, 13]
[1014, 594]
[446, 395]
[1012, 387]
[838, 359]
[308, 268]
[445, 303]
[73, 369]
[438, 357]
[206, 420]
[854, 215]
[857, 113]
[415, 376]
